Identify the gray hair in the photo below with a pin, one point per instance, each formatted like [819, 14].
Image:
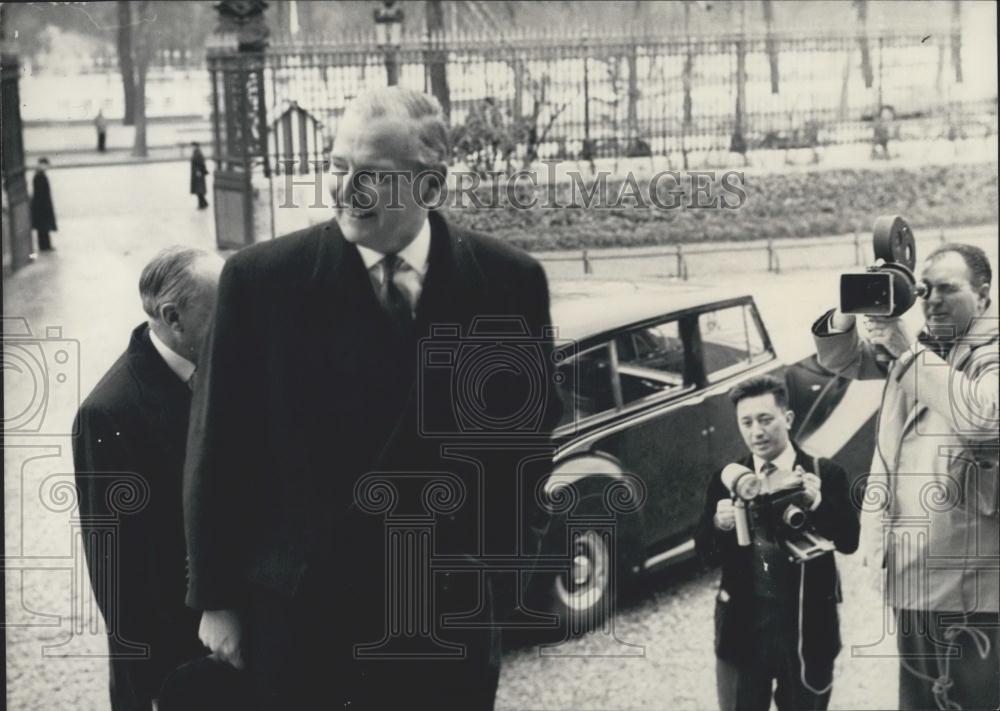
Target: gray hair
[422, 109]
[169, 277]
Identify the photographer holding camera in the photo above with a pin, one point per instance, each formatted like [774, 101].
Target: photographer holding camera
[934, 477]
[776, 610]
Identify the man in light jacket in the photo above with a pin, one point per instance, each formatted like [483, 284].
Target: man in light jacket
[930, 513]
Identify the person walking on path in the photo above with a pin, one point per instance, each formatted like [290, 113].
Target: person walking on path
[43, 215]
[101, 124]
[198, 173]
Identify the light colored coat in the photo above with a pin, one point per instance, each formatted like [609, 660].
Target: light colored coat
[930, 511]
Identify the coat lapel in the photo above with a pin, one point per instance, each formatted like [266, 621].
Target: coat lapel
[165, 399]
[341, 304]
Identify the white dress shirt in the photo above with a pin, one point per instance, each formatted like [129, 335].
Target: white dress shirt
[181, 366]
[409, 278]
[784, 461]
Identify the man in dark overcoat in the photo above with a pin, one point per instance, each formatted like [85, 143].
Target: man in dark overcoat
[775, 620]
[43, 214]
[129, 454]
[198, 172]
[377, 393]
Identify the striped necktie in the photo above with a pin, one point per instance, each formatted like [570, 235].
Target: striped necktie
[765, 471]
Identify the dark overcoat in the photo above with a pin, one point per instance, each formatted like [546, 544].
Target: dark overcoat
[836, 518]
[129, 454]
[314, 430]
[198, 172]
[43, 214]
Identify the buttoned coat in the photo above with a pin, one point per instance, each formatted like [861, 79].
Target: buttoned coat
[314, 429]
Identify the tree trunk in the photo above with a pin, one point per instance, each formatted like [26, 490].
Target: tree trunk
[771, 44]
[633, 94]
[125, 60]
[956, 39]
[139, 148]
[436, 60]
[866, 54]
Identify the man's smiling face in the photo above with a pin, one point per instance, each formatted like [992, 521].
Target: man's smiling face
[374, 163]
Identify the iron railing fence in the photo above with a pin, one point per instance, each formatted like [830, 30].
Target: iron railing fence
[701, 260]
[553, 95]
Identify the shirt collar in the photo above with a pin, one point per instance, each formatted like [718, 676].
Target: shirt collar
[181, 366]
[416, 254]
[784, 461]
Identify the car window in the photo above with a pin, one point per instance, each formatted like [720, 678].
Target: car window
[731, 340]
[586, 384]
[650, 361]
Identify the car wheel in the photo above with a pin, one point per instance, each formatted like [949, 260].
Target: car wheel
[582, 596]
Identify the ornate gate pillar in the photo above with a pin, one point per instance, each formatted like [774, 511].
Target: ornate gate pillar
[241, 188]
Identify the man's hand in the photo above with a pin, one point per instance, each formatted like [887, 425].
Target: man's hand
[840, 321]
[725, 518]
[811, 485]
[890, 333]
[221, 631]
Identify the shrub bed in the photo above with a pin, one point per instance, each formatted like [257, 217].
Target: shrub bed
[808, 204]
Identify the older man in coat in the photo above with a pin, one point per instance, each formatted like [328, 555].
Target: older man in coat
[931, 517]
[131, 436]
[351, 425]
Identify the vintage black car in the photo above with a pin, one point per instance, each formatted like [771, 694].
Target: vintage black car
[645, 369]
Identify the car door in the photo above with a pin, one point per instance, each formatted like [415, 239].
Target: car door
[660, 435]
[731, 345]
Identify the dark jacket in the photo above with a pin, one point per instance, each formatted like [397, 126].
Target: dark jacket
[43, 214]
[198, 172]
[306, 402]
[835, 518]
[128, 455]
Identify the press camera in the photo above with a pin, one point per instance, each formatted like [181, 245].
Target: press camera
[779, 515]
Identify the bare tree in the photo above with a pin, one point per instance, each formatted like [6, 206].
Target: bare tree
[145, 35]
[436, 59]
[125, 62]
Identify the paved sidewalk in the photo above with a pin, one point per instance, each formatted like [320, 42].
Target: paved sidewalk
[75, 144]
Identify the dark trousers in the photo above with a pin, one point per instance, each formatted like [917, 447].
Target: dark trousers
[747, 686]
[202, 202]
[102, 137]
[44, 243]
[948, 658]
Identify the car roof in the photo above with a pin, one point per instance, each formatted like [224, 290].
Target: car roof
[587, 307]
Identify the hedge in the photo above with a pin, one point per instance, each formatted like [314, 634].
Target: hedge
[807, 204]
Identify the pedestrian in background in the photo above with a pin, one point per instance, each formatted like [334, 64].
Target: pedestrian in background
[198, 173]
[102, 130]
[43, 215]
